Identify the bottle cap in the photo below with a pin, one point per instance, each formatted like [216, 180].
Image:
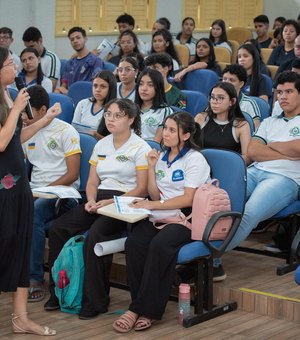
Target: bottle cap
[184, 288]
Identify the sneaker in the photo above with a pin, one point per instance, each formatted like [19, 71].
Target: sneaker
[219, 274]
[272, 247]
[52, 303]
[263, 226]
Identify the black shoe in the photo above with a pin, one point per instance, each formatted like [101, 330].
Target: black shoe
[219, 274]
[52, 303]
[84, 315]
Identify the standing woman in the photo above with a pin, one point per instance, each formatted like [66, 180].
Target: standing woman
[118, 167]
[185, 37]
[205, 59]
[16, 204]
[89, 111]
[256, 85]
[32, 73]
[150, 96]
[127, 71]
[151, 253]
[162, 42]
[223, 124]
[218, 34]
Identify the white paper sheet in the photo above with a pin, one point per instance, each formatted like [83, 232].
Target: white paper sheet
[122, 205]
[61, 191]
[110, 247]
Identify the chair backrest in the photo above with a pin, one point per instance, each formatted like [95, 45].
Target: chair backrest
[222, 54]
[234, 47]
[62, 66]
[195, 102]
[66, 105]
[230, 169]
[80, 90]
[13, 93]
[87, 144]
[269, 89]
[153, 144]
[250, 122]
[200, 80]
[265, 54]
[273, 70]
[222, 64]
[109, 66]
[183, 53]
[263, 107]
[239, 34]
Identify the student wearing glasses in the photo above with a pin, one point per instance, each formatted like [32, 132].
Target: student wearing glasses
[6, 39]
[127, 71]
[118, 167]
[223, 125]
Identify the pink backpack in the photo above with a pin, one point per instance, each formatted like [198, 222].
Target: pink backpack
[208, 200]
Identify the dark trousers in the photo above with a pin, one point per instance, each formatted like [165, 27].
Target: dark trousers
[97, 269]
[151, 256]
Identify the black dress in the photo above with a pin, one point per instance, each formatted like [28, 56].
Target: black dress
[16, 216]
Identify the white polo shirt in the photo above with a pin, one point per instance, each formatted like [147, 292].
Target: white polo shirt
[84, 114]
[47, 151]
[280, 129]
[152, 120]
[250, 106]
[117, 168]
[130, 96]
[189, 171]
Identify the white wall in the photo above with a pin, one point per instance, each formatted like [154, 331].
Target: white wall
[41, 13]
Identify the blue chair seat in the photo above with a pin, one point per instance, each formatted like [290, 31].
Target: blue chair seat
[292, 209]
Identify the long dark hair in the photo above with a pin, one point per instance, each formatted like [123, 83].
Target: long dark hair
[235, 115]
[182, 23]
[255, 72]
[186, 122]
[170, 49]
[4, 109]
[159, 99]
[40, 74]
[112, 85]
[223, 36]
[211, 56]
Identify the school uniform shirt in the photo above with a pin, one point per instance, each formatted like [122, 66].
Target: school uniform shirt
[117, 168]
[152, 120]
[249, 106]
[47, 151]
[46, 82]
[224, 44]
[189, 169]
[175, 97]
[191, 44]
[130, 96]
[262, 87]
[279, 56]
[280, 129]
[84, 114]
[50, 64]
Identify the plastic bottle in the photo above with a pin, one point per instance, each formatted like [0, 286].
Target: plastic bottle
[63, 280]
[184, 302]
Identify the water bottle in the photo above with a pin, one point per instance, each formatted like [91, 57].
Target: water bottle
[184, 302]
[63, 280]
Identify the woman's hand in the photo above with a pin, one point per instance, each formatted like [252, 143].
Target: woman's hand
[179, 76]
[92, 206]
[21, 100]
[53, 111]
[143, 204]
[152, 158]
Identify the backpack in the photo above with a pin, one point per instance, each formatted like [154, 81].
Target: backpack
[208, 200]
[70, 260]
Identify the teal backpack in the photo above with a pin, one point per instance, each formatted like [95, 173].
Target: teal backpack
[70, 260]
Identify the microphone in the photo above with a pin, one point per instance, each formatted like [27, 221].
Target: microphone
[20, 85]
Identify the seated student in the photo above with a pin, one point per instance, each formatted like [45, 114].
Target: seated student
[237, 76]
[256, 85]
[185, 37]
[128, 47]
[218, 34]
[162, 42]
[162, 62]
[277, 38]
[285, 51]
[151, 253]
[32, 73]
[223, 124]
[278, 22]
[262, 65]
[54, 153]
[150, 97]
[205, 59]
[6, 39]
[261, 26]
[160, 24]
[118, 167]
[127, 72]
[89, 111]
[83, 66]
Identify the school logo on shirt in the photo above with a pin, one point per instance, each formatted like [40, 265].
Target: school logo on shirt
[177, 175]
[75, 140]
[151, 121]
[52, 145]
[159, 175]
[295, 131]
[31, 146]
[122, 158]
[101, 157]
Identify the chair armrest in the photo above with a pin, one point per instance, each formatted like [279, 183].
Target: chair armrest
[295, 248]
[236, 219]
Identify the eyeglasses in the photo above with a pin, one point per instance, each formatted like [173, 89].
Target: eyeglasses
[126, 43]
[5, 37]
[114, 115]
[11, 63]
[125, 69]
[217, 99]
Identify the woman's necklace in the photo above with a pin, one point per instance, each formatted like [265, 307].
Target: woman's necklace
[222, 126]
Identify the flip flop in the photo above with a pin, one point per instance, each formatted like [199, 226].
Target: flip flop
[142, 323]
[33, 296]
[127, 320]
